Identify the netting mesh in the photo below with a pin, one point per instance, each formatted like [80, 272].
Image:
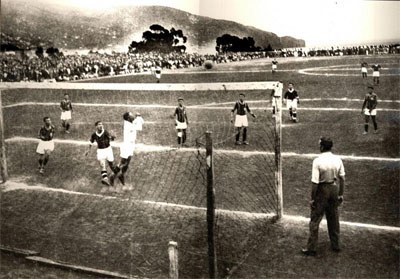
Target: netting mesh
[127, 229]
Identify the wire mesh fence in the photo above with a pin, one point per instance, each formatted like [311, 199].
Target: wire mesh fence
[68, 216]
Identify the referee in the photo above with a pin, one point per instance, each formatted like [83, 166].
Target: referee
[326, 196]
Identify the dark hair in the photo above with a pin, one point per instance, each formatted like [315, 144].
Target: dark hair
[326, 143]
[125, 116]
[180, 98]
[45, 118]
[242, 94]
[97, 123]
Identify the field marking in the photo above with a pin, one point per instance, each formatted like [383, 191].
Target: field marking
[319, 70]
[215, 86]
[156, 148]
[196, 106]
[14, 186]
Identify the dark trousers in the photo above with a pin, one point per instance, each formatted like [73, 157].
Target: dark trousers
[326, 202]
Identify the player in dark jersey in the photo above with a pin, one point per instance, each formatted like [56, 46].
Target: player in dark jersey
[181, 122]
[364, 69]
[104, 151]
[46, 143]
[292, 100]
[369, 109]
[66, 112]
[241, 107]
[376, 74]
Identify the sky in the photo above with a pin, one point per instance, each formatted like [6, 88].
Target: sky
[318, 22]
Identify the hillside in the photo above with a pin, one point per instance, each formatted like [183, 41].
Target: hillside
[28, 24]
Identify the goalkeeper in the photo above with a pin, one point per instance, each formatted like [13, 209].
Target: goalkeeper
[241, 122]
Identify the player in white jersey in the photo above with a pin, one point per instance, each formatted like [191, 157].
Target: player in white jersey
[66, 113]
[132, 124]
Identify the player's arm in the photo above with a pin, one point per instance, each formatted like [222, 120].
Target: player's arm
[364, 104]
[61, 106]
[249, 111]
[186, 117]
[235, 107]
[40, 134]
[91, 142]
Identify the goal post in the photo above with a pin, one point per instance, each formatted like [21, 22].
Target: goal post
[3, 156]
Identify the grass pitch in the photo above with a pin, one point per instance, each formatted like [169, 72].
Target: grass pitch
[108, 230]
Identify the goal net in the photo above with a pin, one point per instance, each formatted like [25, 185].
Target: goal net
[69, 216]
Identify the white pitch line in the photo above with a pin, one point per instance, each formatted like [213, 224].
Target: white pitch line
[14, 186]
[156, 148]
[346, 223]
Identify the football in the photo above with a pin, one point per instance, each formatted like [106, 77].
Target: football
[208, 64]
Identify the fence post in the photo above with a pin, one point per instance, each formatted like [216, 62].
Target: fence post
[212, 255]
[278, 144]
[3, 157]
[173, 260]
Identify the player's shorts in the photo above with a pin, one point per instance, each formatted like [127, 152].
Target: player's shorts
[291, 104]
[375, 74]
[45, 146]
[127, 149]
[241, 121]
[66, 115]
[364, 70]
[274, 67]
[158, 76]
[181, 125]
[105, 154]
[368, 112]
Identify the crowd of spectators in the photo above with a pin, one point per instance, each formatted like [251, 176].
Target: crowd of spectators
[27, 66]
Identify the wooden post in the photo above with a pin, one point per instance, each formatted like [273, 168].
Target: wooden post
[173, 260]
[3, 157]
[212, 255]
[278, 144]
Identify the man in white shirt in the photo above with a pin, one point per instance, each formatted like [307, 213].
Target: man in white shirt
[132, 124]
[326, 196]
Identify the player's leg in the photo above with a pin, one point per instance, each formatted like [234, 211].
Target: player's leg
[103, 167]
[238, 129]
[179, 134]
[183, 136]
[245, 136]
[124, 168]
[366, 124]
[373, 117]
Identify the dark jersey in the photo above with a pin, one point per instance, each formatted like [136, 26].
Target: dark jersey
[370, 101]
[241, 108]
[364, 64]
[181, 114]
[66, 105]
[274, 62]
[376, 67]
[46, 134]
[103, 139]
[291, 95]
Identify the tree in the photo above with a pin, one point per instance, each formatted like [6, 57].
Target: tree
[160, 39]
[228, 42]
[39, 51]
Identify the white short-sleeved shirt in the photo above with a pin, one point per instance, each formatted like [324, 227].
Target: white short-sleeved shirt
[326, 168]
